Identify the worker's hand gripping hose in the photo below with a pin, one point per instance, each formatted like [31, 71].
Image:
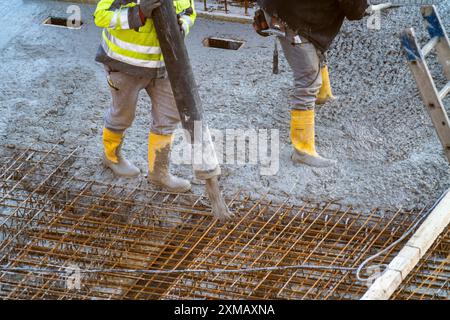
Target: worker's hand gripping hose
[147, 7]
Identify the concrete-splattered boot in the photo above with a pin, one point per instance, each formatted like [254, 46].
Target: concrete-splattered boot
[159, 147]
[325, 93]
[112, 155]
[303, 140]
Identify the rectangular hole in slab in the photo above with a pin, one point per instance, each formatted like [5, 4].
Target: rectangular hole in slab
[220, 43]
[63, 23]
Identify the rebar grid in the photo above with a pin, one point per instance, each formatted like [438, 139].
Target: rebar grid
[430, 279]
[52, 218]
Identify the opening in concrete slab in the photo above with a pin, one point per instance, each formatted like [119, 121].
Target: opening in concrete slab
[221, 43]
[63, 22]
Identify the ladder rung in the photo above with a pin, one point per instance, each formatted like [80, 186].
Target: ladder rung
[429, 46]
[444, 92]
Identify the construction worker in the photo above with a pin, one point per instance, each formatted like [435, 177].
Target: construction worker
[309, 27]
[133, 61]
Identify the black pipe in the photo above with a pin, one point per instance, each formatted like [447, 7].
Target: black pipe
[178, 65]
[186, 95]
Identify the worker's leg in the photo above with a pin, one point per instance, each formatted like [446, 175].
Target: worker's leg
[165, 119]
[305, 62]
[124, 90]
[325, 93]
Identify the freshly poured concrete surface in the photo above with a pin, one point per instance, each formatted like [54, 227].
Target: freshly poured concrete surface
[389, 155]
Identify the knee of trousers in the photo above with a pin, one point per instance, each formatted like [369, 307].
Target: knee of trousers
[117, 122]
[304, 98]
[166, 128]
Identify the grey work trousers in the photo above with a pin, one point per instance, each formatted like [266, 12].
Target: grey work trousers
[125, 91]
[305, 61]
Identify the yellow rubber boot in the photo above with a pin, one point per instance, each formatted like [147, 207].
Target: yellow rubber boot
[325, 92]
[112, 155]
[303, 139]
[159, 147]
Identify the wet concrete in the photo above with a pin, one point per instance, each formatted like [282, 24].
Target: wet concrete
[389, 155]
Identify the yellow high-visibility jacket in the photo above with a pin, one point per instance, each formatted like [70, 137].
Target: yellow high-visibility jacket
[127, 43]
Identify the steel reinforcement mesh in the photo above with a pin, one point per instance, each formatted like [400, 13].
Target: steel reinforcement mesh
[430, 279]
[63, 236]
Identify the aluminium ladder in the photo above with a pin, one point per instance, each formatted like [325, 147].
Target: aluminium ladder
[431, 96]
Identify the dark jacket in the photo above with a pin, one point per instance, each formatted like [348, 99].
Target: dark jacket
[317, 20]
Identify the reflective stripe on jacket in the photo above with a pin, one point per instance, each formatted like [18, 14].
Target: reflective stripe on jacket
[125, 39]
